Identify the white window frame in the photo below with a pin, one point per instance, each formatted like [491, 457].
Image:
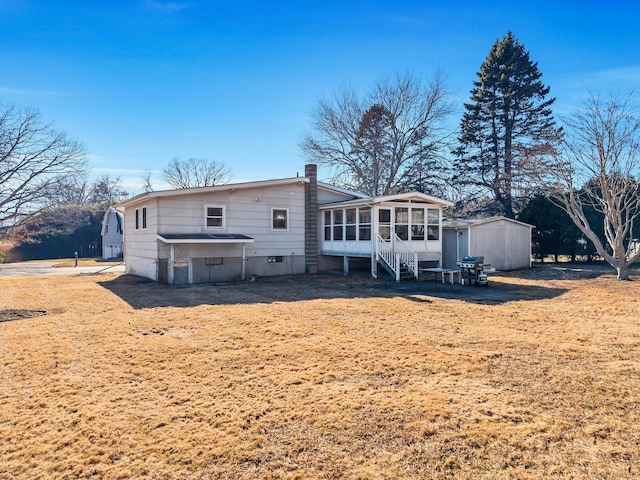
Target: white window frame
[136, 219]
[413, 224]
[206, 217]
[144, 217]
[360, 224]
[282, 209]
[438, 225]
[328, 226]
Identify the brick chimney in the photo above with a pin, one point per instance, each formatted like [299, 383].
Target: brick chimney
[311, 219]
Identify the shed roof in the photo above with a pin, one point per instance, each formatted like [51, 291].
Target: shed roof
[460, 223]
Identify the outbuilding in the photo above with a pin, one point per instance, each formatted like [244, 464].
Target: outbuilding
[504, 243]
[112, 237]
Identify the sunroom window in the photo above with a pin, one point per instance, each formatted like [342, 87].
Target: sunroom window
[338, 223]
[417, 224]
[327, 225]
[402, 223]
[433, 224]
[350, 224]
[364, 226]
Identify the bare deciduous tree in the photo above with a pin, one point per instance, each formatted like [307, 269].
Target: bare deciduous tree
[35, 160]
[600, 169]
[379, 142]
[107, 190]
[195, 172]
[146, 182]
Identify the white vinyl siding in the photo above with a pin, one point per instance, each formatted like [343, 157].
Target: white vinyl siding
[248, 212]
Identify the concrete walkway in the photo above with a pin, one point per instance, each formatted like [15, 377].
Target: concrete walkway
[32, 269]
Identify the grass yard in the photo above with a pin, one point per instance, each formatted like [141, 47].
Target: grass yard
[535, 377]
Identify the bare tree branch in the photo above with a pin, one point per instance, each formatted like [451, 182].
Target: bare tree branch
[600, 169]
[35, 160]
[195, 172]
[383, 141]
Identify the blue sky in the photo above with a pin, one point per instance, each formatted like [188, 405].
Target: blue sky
[141, 82]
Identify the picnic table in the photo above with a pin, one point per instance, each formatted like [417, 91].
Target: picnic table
[443, 273]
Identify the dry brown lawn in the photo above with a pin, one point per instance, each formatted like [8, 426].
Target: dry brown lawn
[536, 376]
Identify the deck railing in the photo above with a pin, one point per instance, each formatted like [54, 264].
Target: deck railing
[407, 256]
[384, 251]
[396, 254]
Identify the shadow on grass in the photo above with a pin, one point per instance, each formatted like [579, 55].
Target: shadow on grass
[572, 271]
[141, 293]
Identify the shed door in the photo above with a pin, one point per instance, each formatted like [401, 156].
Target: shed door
[455, 245]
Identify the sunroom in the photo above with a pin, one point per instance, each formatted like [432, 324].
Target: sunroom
[399, 232]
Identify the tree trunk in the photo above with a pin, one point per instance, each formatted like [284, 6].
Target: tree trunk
[623, 272]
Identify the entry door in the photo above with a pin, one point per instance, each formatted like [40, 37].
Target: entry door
[384, 223]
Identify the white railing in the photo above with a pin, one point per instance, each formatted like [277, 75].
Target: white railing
[395, 257]
[407, 256]
[384, 250]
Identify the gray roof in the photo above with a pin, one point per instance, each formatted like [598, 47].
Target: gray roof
[469, 222]
[204, 238]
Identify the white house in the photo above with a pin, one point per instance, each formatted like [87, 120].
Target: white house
[275, 227]
[504, 243]
[112, 241]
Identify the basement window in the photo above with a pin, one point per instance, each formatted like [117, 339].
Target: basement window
[277, 259]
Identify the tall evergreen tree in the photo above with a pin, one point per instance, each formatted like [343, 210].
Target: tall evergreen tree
[507, 131]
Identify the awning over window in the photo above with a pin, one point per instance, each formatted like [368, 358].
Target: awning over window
[204, 238]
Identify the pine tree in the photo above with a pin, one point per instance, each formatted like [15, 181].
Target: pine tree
[507, 131]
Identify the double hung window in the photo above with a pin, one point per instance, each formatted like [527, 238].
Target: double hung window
[214, 216]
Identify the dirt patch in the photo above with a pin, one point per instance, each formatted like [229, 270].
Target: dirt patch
[7, 315]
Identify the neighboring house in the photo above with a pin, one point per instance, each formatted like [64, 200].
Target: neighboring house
[112, 241]
[276, 227]
[504, 243]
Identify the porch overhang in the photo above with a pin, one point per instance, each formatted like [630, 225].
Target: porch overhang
[203, 238]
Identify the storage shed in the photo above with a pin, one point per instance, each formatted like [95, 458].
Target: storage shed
[504, 243]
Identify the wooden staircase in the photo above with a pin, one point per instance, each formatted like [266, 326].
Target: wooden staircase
[400, 262]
